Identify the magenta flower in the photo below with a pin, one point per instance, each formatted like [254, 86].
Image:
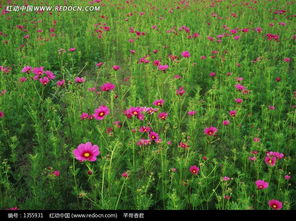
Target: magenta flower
[153, 136]
[226, 122]
[124, 174]
[270, 161]
[163, 115]
[2, 114]
[116, 67]
[211, 131]
[238, 100]
[191, 113]
[107, 87]
[232, 113]
[236, 37]
[256, 139]
[163, 67]
[261, 184]
[212, 74]
[185, 54]
[99, 64]
[44, 80]
[287, 177]
[275, 204]
[101, 112]
[183, 145]
[84, 116]
[72, 49]
[23, 79]
[56, 173]
[180, 91]
[60, 83]
[226, 178]
[240, 87]
[27, 69]
[86, 152]
[144, 129]
[194, 169]
[79, 80]
[158, 102]
[38, 71]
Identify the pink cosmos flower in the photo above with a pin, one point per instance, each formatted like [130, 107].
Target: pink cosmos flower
[144, 129]
[275, 154]
[180, 91]
[79, 80]
[211, 131]
[99, 64]
[252, 158]
[259, 30]
[56, 173]
[72, 49]
[27, 69]
[239, 87]
[232, 113]
[226, 122]
[23, 79]
[158, 102]
[124, 174]
[212, 74]
[238, 100]
[163, 115]
[101, 112]
[84, 116]
[287, 59]
[236, 37]
[44, 80]
[287, 177]
[185, 54]
[261, 184]
[144, 142]
[13, 208]
[270, 161]
[163, 67]
[86, 152]
[107, 87]
[60, 83]
[194, 169]
[191, 113]
[275, 204]
[38, 71]
[153, 136]
[183, 145]
[226, 178]
[2, 114]
[116, 67]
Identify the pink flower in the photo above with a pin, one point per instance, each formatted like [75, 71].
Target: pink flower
[144, 129]
[212, 74]
[256, 139]
[99, 64]
[211, 131]
[116, 67]
[271, 107]
[158, 102]
[56, 173]
[236, 37]
[226, 178]
[226, 122]
[261, 184]
[72, 49]
[239, 87]
[191, 113]
[44, 80]
[27, 69]
[270, 161]
[153, 136]
[107, 87]
[124, 174]
[23, 79]
[13, 208]
[101, 112]
[252, 158]
[2, 114]
[163, 115]
[38, 71]
[79, 80]
[86, 152]
[183, 145]
[194, 169]
[180, 91]
[259, 30]
[287, 59]
[287, 177]
[227, 197]
[275, 204]
[163, 67]
[185, 54]
[232, 113]
[60, 83]
[84, 116]
[238, 100]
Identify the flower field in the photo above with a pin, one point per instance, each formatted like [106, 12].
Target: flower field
[148, 105]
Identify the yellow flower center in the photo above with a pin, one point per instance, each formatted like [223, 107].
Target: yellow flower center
[86, 154]
[101, 114]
